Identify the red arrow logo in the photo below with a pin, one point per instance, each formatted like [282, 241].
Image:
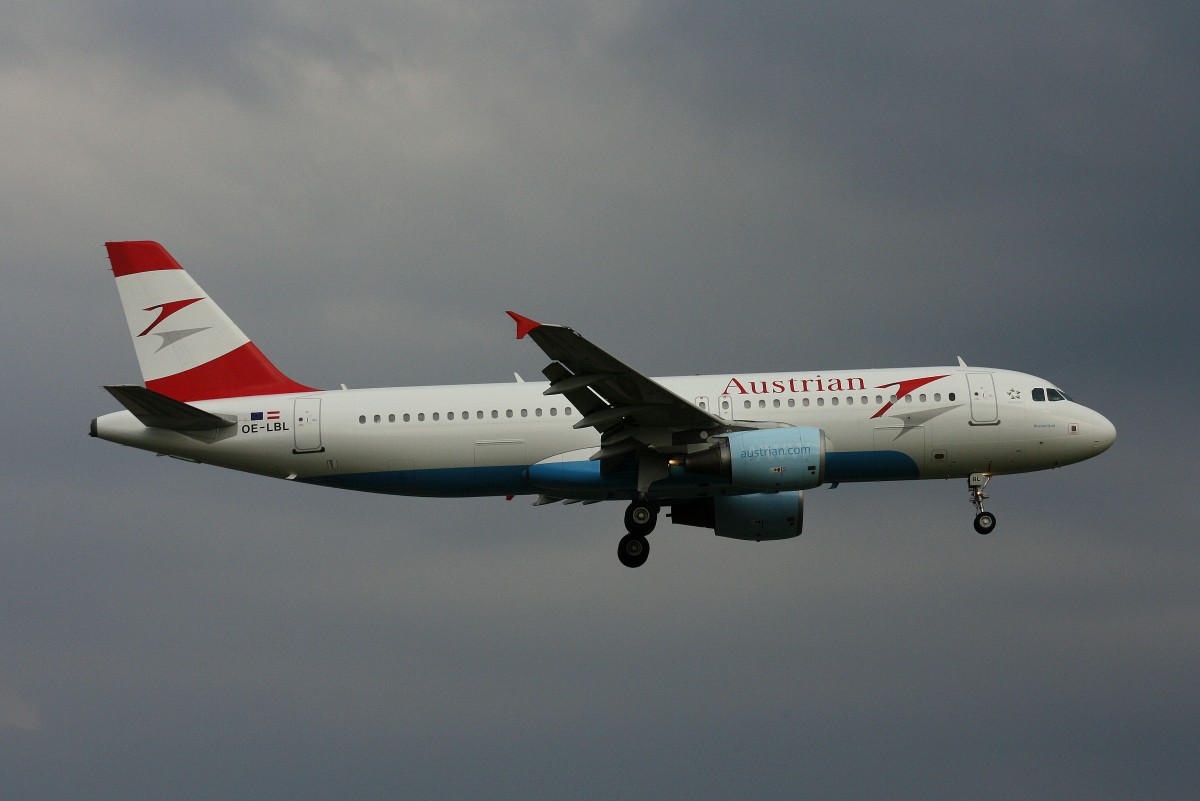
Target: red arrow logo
[904, 388]
[166, 310]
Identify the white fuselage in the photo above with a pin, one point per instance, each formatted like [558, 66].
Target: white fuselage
[511, 439]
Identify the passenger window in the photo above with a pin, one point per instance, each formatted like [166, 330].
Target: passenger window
[553, 411]
[791, 401]
[391, 418]
[1039, 394]
[436, 416]
[495, 414]
[951, 397]
[834, 401]
[922, 397]
[450, 416]
[407, 418]
[508, 412]
[376, 418]
[421, 417]
[524, 412]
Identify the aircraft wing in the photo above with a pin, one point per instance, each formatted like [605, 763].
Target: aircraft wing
[635, 415]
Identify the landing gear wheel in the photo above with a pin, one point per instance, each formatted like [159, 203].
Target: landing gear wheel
[640, 517]
[976, 483]
[633, 550]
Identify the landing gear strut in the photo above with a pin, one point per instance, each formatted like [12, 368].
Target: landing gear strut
[984, 521]
[640, 518]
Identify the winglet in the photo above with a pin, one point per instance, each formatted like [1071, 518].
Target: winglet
[524, 324]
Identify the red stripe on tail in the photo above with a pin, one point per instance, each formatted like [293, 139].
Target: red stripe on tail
[139, 257]
[241, 372]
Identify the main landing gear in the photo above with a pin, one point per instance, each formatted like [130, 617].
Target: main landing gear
[984, 521]
[633, 549]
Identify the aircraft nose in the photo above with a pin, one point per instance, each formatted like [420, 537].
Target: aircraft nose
[1104, 434]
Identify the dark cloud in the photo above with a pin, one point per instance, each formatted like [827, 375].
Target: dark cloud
[697, 187]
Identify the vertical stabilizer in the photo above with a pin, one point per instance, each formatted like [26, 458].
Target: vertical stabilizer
[187, 348]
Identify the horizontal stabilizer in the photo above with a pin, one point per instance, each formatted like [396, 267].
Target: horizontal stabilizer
[156, 410]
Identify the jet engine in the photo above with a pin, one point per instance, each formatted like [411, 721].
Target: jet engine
[760, 516]
[767, 460]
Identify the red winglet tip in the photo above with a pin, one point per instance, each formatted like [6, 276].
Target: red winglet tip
[524, 324]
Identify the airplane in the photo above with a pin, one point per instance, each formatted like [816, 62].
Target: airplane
[731, 452]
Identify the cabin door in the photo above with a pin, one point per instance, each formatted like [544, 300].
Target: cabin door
[308, 425]
[984, 411]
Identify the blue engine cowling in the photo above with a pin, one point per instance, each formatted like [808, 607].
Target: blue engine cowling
[767, 460]
[760, 516]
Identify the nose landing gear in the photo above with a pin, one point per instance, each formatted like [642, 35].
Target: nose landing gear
[984, 521]
[640, 518]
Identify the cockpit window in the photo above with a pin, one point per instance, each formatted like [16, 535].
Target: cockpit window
[1049, 393]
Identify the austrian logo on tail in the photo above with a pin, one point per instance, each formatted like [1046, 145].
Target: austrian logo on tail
[165, 310]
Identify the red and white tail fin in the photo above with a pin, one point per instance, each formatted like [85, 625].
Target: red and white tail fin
[187, 347]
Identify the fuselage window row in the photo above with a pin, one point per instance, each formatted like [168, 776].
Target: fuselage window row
[1039, 394]
[849, 400]
[466, 415]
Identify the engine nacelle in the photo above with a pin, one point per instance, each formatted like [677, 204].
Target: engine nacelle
[761, 516]
[769, 460]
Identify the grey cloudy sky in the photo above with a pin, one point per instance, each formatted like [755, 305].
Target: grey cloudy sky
[698, 187]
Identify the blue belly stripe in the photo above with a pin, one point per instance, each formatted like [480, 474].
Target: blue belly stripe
[870, 466]
[585, 479]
